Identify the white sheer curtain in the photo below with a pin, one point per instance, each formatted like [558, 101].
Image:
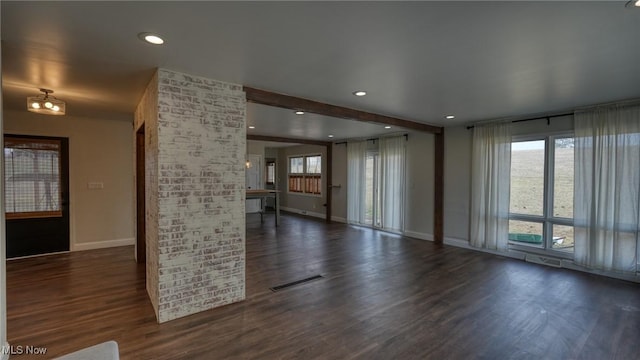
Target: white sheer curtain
[356, 156]
[392, 174]
[490, 185]
[607, 188]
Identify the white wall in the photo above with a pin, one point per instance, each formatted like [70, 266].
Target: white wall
[419, 186]
[339, 178]
[457, 182]
[99, 151]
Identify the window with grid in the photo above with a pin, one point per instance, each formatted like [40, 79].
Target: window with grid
[32, 178]
[541, 197]
[305, 174]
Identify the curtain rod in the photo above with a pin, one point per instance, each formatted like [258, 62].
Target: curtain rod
[549, 117]
[406, 136]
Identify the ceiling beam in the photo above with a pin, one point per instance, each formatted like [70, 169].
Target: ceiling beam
[288, 140]
[295, 103]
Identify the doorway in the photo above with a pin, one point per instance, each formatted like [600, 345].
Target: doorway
[140, 198]
[254, 180]
[37, 195]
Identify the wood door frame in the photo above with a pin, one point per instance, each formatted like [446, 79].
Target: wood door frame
[140, 197]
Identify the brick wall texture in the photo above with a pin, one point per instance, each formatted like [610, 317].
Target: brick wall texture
[201, 146]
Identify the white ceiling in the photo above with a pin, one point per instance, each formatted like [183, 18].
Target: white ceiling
[418, 60]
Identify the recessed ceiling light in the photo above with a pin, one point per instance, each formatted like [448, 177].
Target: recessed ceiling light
[387, 127]
[252, 127]
[299, 112]
[359, 93]
[450, 117]
[151, 38]
[330, 135]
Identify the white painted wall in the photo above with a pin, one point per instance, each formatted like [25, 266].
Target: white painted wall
[419, 186]
[99, 151]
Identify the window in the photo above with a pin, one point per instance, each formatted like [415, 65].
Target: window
[305, 174]
[541, 198]
[32, 178]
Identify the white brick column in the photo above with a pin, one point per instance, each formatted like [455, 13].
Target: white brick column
[195, 197]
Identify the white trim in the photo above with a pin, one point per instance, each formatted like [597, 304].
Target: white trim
[461, 243]
[4, 356]
[418, 235]
[339, 219]
[304, 212]
[103, 244]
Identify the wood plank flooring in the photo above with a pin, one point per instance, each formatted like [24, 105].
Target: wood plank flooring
[382, 296]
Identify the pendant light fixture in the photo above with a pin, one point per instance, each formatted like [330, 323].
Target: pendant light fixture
[46, 104]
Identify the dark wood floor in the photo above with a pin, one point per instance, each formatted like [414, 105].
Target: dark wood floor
[382, 297]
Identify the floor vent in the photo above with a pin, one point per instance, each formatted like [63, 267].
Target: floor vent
[294, 283]
[538, 259]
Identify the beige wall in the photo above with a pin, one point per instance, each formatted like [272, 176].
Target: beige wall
[339, 175]
[99, 151]
[419, 185]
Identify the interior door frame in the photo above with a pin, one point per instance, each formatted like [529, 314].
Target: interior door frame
[141, 221]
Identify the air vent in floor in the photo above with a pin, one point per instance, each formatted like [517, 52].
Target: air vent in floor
[297, 282]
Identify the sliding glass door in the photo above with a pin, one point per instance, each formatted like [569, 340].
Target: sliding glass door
[372, 189]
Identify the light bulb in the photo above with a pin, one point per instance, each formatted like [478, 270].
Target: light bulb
[48, 105]
[154, 39]
[35, 105]
[55, 108]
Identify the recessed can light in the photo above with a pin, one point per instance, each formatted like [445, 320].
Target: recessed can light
[359, 93]
[252, 127]
[330, 136]
[151, 38]
[387, 127]
[299, 112]
[450, 117]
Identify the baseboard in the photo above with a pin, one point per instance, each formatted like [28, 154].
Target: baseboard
[461, 243]
[103, 244]
[339, 219]
[304, 212]
[419, 235]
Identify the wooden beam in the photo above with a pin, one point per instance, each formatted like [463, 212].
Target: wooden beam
[438, 188]
[295, 103]
[287, 140]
